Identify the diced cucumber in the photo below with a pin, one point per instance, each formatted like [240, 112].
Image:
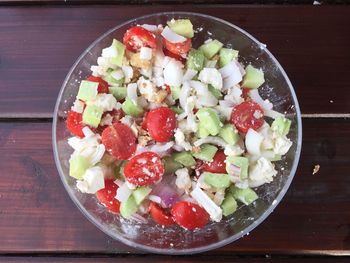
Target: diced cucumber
[246, 196]
[226, 56]
[78, 166]
[118, 60]
[87, 90]
[195, 60]
[211, 48]
[141, 193]
[206, 153]
[281, 125]
[130, 108]
[170, 165]
[175, 92]
[177, 109]
[182, 27]
[229, 205]
[202, 132]
[209, 120]
[185, 158]
[229, 133]
[129, 207]
[115, 77]
[216, 93]
[217, 180]
[239, 161]
[118, 92]
[92, 115]
[253, 77]
[276, 158]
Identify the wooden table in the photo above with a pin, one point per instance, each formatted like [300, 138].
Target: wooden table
[38, 221]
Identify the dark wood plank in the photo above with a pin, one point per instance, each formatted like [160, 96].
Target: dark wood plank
[39, 44]
[36, 214]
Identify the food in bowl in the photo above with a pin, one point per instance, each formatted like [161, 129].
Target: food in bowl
[177, 133]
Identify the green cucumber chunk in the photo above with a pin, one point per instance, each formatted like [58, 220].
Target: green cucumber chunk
[229, 133]
[129, 207]
[211, 48]
[92, 115]
[281, 125]
[217, 180]
[229, 205]
[215, 92]
[170, 165]
[246, 196]
[77, 166]
[130, 108]
[185, 158]
[87, 90]
[175, 92]
[118, 92]
[115, 77]
[253, 77]
[141, 193]
[177, 109]
[239, 161]
[202, 132]
[182, 27]
[206, 153]
[120, 48]
[209, 120]
[226, 55]
[195, 60]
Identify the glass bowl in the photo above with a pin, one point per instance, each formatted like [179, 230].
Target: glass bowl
[175, 240]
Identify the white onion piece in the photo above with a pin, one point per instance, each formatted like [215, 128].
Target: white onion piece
[119, 182]
[178, 148]
[255, 96]
[138, 218]
[240, 67]
[253, 142]
[200, 88]
[184, 93]
[98, 154]
[204, 200]
[273, 114]
[88, 132]
[123, 193]
[132, 92]
[160, 148]
[173, 73]
[234, 172]
[155, 198]
[229, 69]
[171, 36]
[189, 74]
[151, 28]
[212, 140]
[145, 53]
[207, 101]
[224, 110]
[231, 81]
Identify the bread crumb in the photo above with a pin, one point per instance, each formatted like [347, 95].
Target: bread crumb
[316, 169]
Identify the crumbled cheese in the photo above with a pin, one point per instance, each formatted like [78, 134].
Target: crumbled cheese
[261, 172]
[180, 140]
[106, 101]
[219, 196]
[78, 106]
[211, 76]
[146, 72]
[233, 150]
[106, 120]
[128, 73]
[93, 180]
[109, 52]
[147, 89]
[173, 73]
[282, 145]
[145, 53]
[183, 180]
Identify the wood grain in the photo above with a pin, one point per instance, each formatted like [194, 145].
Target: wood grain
[37, 216]
[39, 44]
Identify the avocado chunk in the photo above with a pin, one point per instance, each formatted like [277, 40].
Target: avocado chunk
[119, 93]
[246, 196]
[229, 133]
[226, 55]
[92, 115]
[229, 205]
[241, 162]
[195, 60]
[209, 120]
[215, 92]
[129, 207]
[170, 165]
[253, 77]
[87, 90]
[77, 166]
[217, 180]
[211, 48]
[206, 153]
[281, 125]
[182, 27]
[120, 48]
[130, 108]
[184, 158]
[141, 193]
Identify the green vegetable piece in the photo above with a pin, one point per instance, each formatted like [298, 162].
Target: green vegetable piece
[195, 60]
[92, 115]
[206, 153]
[185, 158]
[229, 133]
[182, 27]
[217, 180]
[120, 48]
[114, 77]
[170, 165]
[130, 108]
[78, 166]
[241, 162]
[276, 158]
[202, 132]
[253, 77]
[246, 196]
[118, 92]
[177, 109]
[281, 125]
[211, 48]
[129, 207]
[87, 90]
[209, 120]
[226, 55]
[216, 93]
[229, 205]
[141, 193]
[175, 92]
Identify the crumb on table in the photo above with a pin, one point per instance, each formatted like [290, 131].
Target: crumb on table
[316, 169]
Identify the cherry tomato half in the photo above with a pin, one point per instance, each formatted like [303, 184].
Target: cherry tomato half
[119, 141]
[217, 165]
[159, 215]
[189, 215]
[144, 169]
[161, 123]
[102, 85]
[246, 115]
[172, 55]
[75, 124]
[116, 115]
[178, 48]
[106, 196]
[138, 37]
[245, 93]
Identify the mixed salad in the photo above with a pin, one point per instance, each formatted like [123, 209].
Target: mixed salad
[171, 131]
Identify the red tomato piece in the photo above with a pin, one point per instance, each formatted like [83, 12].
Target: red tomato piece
[245, 93]
[116, 114]
[138, 37]
[144, 122]
[217, 165]
[189, 215]
[167, 88]
[159, 215]
[246, 115]
[172, 55]
[119, 141]
[144, 169]
[161, 123]
[102, 85]
[178, 48]
[75, 124]
[106, 196]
